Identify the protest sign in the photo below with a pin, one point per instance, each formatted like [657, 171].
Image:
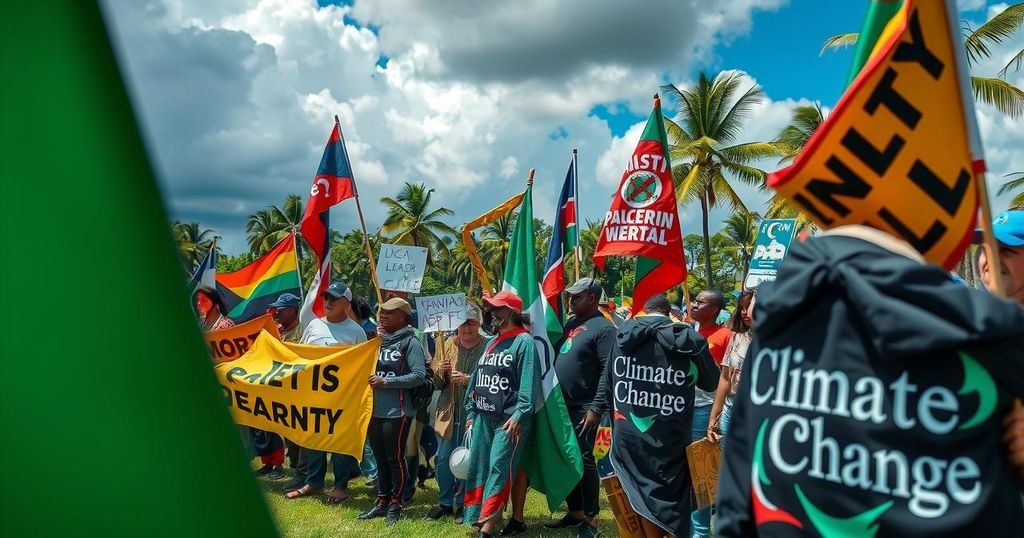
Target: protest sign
[703, 457]
[896, 153]
[400, 267]
[441, 312]
[770, 247]
[317, 396]
[229, 344]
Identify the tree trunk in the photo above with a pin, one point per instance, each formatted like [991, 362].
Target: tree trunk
[707, 239]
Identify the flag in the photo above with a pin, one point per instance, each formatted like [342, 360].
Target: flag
[877, 160]
[643, 221]
[248, 292]
[879, 14]
[552, 461]
[205, 276]
[564, 238]
[483, 220]
[128, 405]
[332, 184]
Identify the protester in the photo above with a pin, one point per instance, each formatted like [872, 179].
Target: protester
[580, 360]
[361, 313]
[1008, 229]
[285, 310]
[499, 412]
[211, 310]
[873, 399]
[334, 329]
[649, 389]
[399, 367]
[453, 367]
[732, 366]
[705, 310]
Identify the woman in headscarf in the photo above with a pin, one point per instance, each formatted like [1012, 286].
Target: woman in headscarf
[499, 411]
[211, 310]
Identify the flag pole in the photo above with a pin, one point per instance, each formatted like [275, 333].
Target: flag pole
[990, 246]
[576, 209]
[366, 237]
[298, 267]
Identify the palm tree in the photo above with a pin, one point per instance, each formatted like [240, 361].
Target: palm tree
[1016, 186]
[410, 221]
[741, 229]
[995, 91]
[791, 140]
[494, 245]
[710, 116]
[193, 243]
[267, 227]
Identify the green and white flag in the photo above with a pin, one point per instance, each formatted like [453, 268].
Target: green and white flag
[552, 461]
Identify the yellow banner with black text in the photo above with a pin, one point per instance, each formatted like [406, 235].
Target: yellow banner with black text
[317, 396]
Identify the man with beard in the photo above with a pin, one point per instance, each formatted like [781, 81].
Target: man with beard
[649, 389]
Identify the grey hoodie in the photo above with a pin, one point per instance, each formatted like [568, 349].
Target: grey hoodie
[401, 364]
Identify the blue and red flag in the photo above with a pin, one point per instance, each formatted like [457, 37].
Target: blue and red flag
[332, 184]
[564, 238]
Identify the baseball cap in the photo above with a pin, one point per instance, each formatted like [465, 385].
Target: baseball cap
[584, 284]
[473, 312]
[505, 298]
[1008, 227]
[397, 303]
[286, 300]
[339, 290]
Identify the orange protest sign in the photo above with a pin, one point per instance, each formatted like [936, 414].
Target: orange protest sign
[895, 154]
[229, 344]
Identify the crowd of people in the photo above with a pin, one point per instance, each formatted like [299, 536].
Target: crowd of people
[855, 300]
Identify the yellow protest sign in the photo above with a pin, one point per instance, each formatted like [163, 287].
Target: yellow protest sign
[317, 396]
[895, 154]
[229, 344]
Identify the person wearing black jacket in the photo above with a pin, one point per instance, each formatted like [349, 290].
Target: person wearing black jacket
[649, 389]
[872, 400]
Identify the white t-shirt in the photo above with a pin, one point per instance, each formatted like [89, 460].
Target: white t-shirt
[734, 356]
[321, 332]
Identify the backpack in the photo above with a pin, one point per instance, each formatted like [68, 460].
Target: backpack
[421, 394]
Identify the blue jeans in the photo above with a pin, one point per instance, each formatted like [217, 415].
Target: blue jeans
[449, 489]
[345, 468]
[700, 520]
[724, 419]
[369, 464]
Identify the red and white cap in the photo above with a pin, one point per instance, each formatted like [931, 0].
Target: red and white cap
[506, 299]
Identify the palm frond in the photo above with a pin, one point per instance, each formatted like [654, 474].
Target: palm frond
[838, 42]
[731, 124]
[724, 192]
[751, 151]
[999, 93]
[1015, 62]
[993, 32]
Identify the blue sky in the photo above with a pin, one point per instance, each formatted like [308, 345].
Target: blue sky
[236, 98]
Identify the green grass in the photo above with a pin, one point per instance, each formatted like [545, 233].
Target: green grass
[310, 517]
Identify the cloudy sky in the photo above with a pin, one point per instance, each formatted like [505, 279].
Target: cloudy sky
[236, 97]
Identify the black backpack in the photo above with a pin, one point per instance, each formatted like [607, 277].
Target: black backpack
[423, 393]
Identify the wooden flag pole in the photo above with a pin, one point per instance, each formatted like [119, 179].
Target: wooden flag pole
[576, 210]
[990, 245]
[298, 266]
[529, 177]
[366, 237]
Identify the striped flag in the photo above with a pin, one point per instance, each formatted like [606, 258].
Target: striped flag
[205, 276]
[552, 461]
[332, 184]
[248, 291]
[880, 12]
[564, 238]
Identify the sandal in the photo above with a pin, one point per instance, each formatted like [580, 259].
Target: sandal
[303, 492]
[337, 496]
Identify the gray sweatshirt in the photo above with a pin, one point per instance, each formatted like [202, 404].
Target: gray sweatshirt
[402, 366]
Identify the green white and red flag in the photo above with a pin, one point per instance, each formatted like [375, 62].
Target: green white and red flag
[642, 220]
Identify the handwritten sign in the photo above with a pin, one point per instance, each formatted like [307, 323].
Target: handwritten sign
[773, 238]
[441, 312]
[703, 458]
[400, 267]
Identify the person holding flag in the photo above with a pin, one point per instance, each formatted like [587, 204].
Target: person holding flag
[499, 411]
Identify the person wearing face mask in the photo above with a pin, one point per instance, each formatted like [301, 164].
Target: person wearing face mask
[453, 367]
[499, 411]
[211, 310]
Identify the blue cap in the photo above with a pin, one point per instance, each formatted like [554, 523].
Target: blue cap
[1008, 227]
[286, 300]
[339, 290]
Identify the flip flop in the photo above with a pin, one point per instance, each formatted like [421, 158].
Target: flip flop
[336, 499]
[302, 492]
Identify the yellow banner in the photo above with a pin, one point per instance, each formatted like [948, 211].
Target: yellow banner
[229, 344]
[483, 220]
[317, 396]
[895, 154]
